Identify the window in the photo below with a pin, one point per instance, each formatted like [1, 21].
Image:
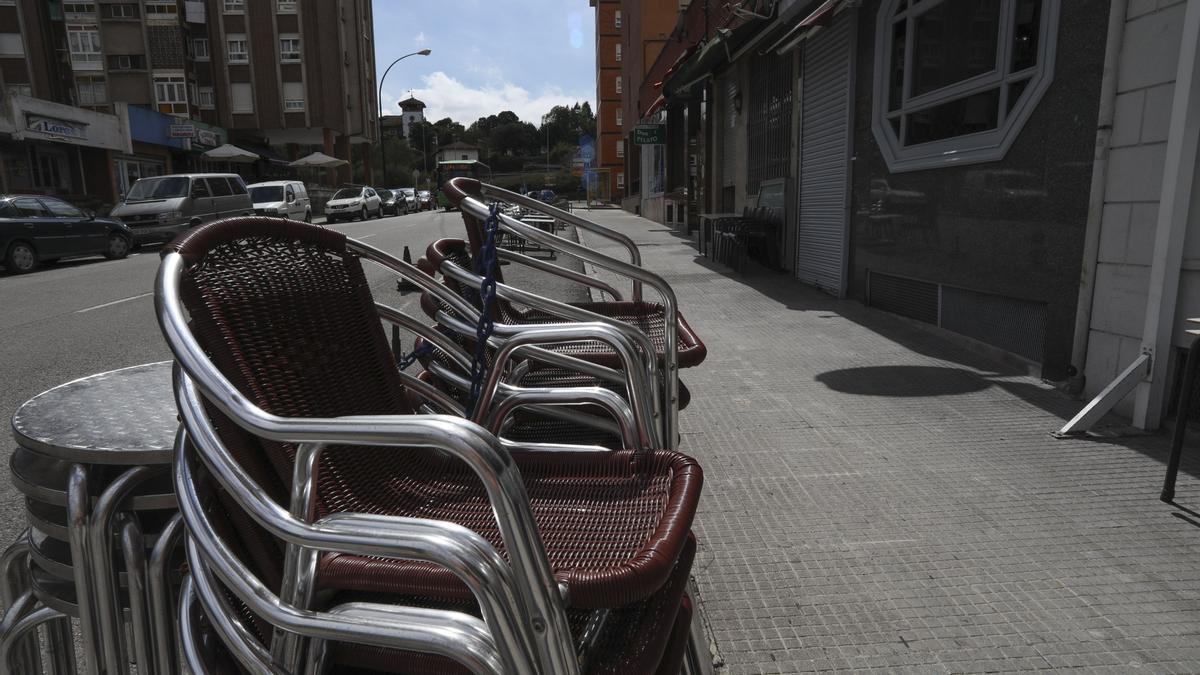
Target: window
[618, 51]
[769, 120]
[49, 169]
[235, 6]
[84, 42]
[205, 99]
[74, 9]
[617, 19]
[29, 207]
[158, 9]
[60, 209]
[127, 62]
[124, 10]
[620, 179]
[620, 121]
[289, 48]
[621, 148]
[200, 49]
[293, 96]
[90, 91]
[18, 89]
[242, 96]
[237, 48]
[11, 44]
[286, 6]
[956, 80]
[617, 82]
[218, 186]
[170, 93]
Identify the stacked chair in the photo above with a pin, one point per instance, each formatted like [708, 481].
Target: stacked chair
[517, 507]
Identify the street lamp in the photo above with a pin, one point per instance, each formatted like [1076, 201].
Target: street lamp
[379, 105]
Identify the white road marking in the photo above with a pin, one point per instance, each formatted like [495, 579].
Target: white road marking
[114, 302]
[367, 236]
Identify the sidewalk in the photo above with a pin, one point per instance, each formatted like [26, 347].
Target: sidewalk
[877, 497]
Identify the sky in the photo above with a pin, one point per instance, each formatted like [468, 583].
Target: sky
[488, 56]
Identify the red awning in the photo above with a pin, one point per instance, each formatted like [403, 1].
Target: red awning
[658, 103]
[821, 16]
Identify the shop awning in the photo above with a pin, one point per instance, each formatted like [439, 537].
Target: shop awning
[231, 153]
[319, 160]
[821, 16]
[658, 103]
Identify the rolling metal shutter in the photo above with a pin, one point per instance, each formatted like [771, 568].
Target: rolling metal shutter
[824, 157]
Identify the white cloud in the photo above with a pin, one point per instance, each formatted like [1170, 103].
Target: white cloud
[420, 38]
[448, 97]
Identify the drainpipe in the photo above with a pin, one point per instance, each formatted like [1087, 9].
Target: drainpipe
[1091, 235]
[1175, 205]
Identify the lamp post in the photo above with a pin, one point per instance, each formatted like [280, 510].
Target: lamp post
[379, 104]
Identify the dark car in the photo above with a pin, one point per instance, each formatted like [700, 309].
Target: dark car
[387, 202]
[424, 200]
[547, 195]
[34, 229]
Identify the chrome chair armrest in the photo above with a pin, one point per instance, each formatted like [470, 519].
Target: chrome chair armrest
[559, 271]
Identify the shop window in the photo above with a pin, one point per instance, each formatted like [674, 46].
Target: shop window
[127, 62]
[84, 43]
[286, 6]
[205, 98]
[237, 48]
[123, 10]
[235, 6]
[90, 91]
[289, 48]
[170, 93]
[293, 97]
[49, 169]
[129, 170]
[769, 124]
[200, 49]
[955, 80]
[242, 97]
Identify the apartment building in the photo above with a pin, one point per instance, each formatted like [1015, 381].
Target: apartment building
[179, 77]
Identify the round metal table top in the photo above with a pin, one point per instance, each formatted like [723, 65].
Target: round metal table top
[124, 416]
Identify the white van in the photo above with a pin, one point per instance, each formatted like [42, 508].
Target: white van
[281, 198]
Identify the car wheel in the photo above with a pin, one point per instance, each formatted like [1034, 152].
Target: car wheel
[118, 247]
[362, 215]
[21, 258]
[379, 213]
[308, 217]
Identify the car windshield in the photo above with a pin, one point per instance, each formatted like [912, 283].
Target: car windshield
[347, 193]
[424, 193]
[408, 192]
[384, 194]
[147, 189]
[266, 193]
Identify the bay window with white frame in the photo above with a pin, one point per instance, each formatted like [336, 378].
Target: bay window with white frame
[955, 80]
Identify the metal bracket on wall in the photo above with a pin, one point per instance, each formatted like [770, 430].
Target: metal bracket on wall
[1107, 399]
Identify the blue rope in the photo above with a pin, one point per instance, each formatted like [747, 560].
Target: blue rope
[412, 357]
[486, 267]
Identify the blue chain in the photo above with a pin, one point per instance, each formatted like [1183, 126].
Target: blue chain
[487, 294]
[412, 357]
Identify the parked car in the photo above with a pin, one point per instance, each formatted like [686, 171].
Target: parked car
[282, 198]
[547, 195]
[353, 202]
[410, 196]
[393, 203]
[425, 201]
[37, 229]
[156, 209]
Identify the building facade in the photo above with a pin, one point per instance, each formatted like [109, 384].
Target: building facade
[181, 76]
[458, 151]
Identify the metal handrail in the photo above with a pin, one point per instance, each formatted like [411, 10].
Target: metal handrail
[559, 271]
[536, 586]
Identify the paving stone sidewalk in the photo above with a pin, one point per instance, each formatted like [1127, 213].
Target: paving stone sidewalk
[879, 498]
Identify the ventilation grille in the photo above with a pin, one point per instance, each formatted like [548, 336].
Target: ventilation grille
[1017, 326]
[906, 297]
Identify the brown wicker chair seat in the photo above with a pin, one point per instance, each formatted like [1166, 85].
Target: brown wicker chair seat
[647, 317]
[285, 312]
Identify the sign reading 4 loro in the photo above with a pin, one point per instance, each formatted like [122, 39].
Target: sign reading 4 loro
[650, 134]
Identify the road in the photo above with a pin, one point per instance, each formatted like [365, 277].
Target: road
[76, 318]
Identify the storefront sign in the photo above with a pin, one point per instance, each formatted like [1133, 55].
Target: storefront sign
[181, 131]
[650, 134]
[206, 137]
[56, 127]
